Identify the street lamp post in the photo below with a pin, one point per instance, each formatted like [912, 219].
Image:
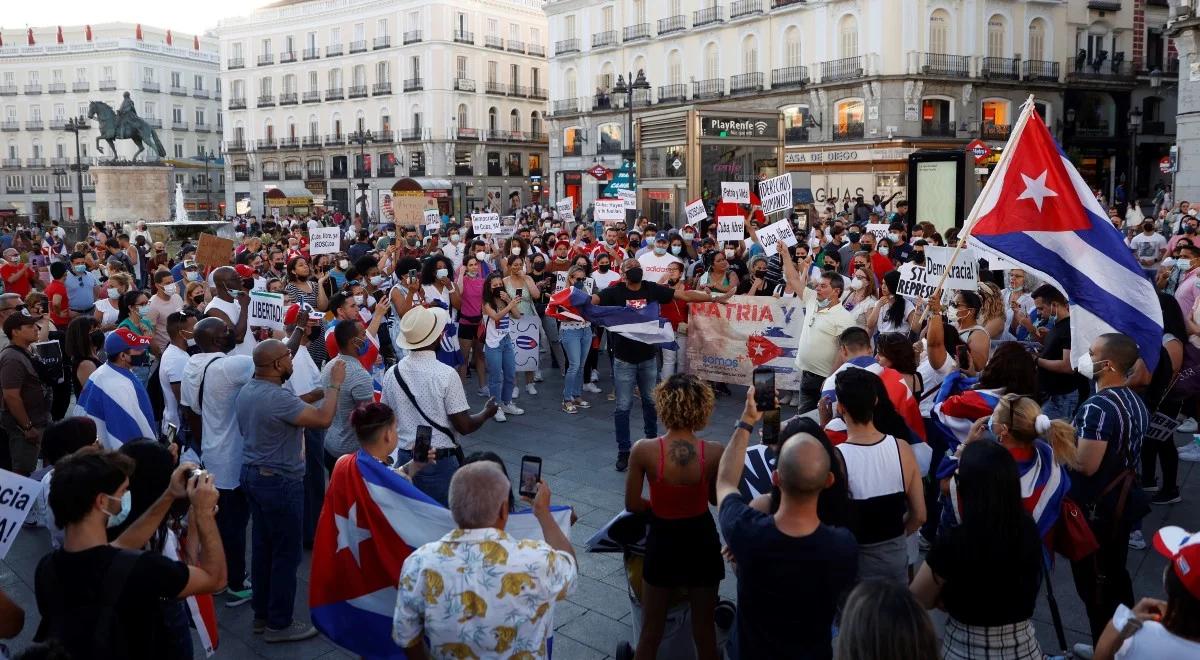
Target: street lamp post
[361, 138]
[76, 125]
[638, 83]
[207, 158]
[59, 172]
[1135, 123]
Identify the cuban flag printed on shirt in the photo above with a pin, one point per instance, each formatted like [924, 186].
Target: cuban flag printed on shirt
[641, 323]
[956, 407]
[120, 406]
[371, 521]
[1040, 214]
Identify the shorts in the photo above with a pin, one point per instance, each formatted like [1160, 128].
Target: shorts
[468, 332]
[684, 552]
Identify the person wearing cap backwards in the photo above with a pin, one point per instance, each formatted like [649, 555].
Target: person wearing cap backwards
[115, 398]
[25, 406]
[1155, 629]
[18, 277]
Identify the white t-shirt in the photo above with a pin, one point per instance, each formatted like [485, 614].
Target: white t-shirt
[170, 370]
[1152, 641]
[931, 382]
[222, 438]
[234, 311]
[654, 266]
[603, 280]
[885, 326]
[1148, 249]
[306, 377]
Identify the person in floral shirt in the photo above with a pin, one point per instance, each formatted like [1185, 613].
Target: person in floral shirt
[478, 592]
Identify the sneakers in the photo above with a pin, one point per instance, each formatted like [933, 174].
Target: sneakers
[499, 416]
[1166, 496]
[580, 403]
[570, 408]
[1151, 487]
[516, 391]
[595, 375]
[483, 391]
[622, 461]
[511, 409]
[1188, 426]
[531, 389]
[1083, 651]
[237, 598]
[591, 387]
[296, 632]
[537, 378]
[1190, 453]
[612, 396]
[1136, 540]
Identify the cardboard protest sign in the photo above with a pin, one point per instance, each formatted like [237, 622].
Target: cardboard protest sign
[326, 240]
[17, 494]
[695, 212]
[775, 193]
[566, 209]
[878, 230]
[735, 192]
[213, 251]
[410, 209]
[920, 281]
[266, 310]
[726, 341]
[731, 228]
[486, 223]
[628, 198]
[431, 216]
[609, 210]
[774, 233]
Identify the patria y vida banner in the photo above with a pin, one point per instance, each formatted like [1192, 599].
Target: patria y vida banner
[726, 341]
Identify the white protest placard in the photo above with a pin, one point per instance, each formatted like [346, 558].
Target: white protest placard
[775, 194]
[326, 240]
[560, 280]
[774, 233]
[609, 210]
[730, 228]
[694, 211]
[566, 209]
[433, 227]
[879, 230]
[17, 494]
[628, 198]
[266, 310]
[432, 217]
[485, 223]
[735, 192]
[920, 280]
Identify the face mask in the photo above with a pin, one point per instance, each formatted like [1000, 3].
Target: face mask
[391, 234]
[633, 275]
[113, 294]
[895, 237]
[170, 289]
[119, 517]
[1168, 262]
[687, 236]
[884, 251]
[952, 321]
[143, 310]
[830, 265]
[538, 265]
[661, 251]
[856, 284]
[80, 268]
[854, 237]
[676, 250]
[822, 304]
[729, 254]
[516, 252]
[603, 268]
[578, 284]
[918, 257]
[814, 243]
[192, 277]
[360, 300]
[1189, 229]
[377, 280]
[191, 342]
[442, 273]
[454, 238]
[343, 264]
[480, 255]
[1086, 367]
[234, 294]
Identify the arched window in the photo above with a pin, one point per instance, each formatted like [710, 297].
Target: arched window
[291, 128]
[514, 121]
[674, 68]
[791, 47]
[1037, 40]
[604, 81]
[939, 32]
[795, 124]
[750, 54]
[464, 119]
[712, 61]
[535, 123]
[610, 138]
[996, 36]
[848, 36]
[492, 115]
[269, 130]
[937, 117]
[572, 141]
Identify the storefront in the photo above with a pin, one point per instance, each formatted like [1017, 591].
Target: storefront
[839, 175]
[291, 198]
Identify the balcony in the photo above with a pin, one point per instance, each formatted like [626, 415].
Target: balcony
[537, 50]
[10, 125]
[11, 162]
[1100, 68]
[179, 90]
[514, 46]
[779, 4]
[357, 92]
[8, 90]
[265, 101]
[746, 82]
[359, 46]
[708, 89]
[672, 93]
[789, 76]
[154, 122]
[412, 134]
[382, 42]
[241, 175]
[200, 93]
[468, 133]
[1000, 68]
[311, 97]
[850, 131]
[35, 162]
[1154, 128]
[566, 106]
[81, 86]
[494, 135]
[991, 131]
[237, 104]
[335, 94]
[235, 63]
[335, 140]
[266, 143]
[287, 57]
[382, 89]
[385, 136]
[34, 125]
[635, 32]
[311, 54]
[311, 141]
[566, 46]
[414, 84]
[179, 125]
[677, 23]
[708, 16]
[464, 84]
[270, 175]
[217, 95]
[847, 68]
[519, 91]
[235, 145]
[539, 93]
[1104, 5]
[317, 172]
[202, 128]
[464, 37]
[795, 135]
[266, 59]
[289, 98]
[412, 37]
[743, 8]
[937, 64]
[108, 85]
[289, 143]
[1040, 71]
[538, 137]
[58, 88]
[58, 124]
[494, 87]
[492, 41]
[936, 128]
[293, 175]
[147, 86]
[606, 39]
[36, 187]
[333, 50]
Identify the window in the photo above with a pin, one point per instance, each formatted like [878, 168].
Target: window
[417, 121]
[237, 51]
[199, 116]
[535, 123]
[750, 55]
[179, 150]
[674, 68]
[335, 36]
[995, 42]
[176, 79]
[460, 21]
[514, 32]
[107, 73]
[791, 47]
[492, 119]
[335, 79]
[492, 71]
[514, 74]
[266, 47]
[10, 78]
[514, 164]
[610, 138]
[382, 74]
[493, 164]
[385, 122]
[995, 112]
[416, 163]
[177, 114]
[514, 121]
[461, 67]
[81, 109]
[848, 115]
[289, 84]
[81, 74]
[381, 27]
[535, 78]
[493, 27]
[35, 113]
[1037, 39]
[289, 44]
[60, 111]
[462, 163]
[147, 74]
[569, 27]
[198, 82]
[639, 11]
[937, 115]
[712, 61]
[360, 75]
[939, 31]
[414, 20]
[264, 87]
[535, 35]
[56, 76]
[313, 81]
[60, 150]
[360, 31]
[572, 141]
[848, 37]
[314, 128]
[464, 119]
[570, 86]
[606, 18]
[415, 65]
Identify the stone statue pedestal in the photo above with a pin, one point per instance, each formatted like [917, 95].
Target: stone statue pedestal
[128, 193]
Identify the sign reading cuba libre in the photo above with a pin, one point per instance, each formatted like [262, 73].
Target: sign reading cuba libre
[845, 155]
[735, 127]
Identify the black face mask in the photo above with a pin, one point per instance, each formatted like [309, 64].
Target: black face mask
[603, 268]
[918, 257]
[633, 276]
[537, 265]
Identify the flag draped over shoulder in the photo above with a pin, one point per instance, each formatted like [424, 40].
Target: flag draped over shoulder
[1044, 484]
[1038, 212]
[119, 404]
[200, 606]
[956, 407]
[643, 323]
[371, 521]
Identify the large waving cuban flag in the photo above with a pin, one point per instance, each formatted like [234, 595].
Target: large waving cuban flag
[371, 521]
[642, 323]
[1037, 211]
[120, 406]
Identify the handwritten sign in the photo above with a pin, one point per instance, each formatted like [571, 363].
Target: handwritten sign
[878, 230]
[628, 198]
[731, 228]
[326, 240]
[410, 209]
[213, 251]
[919, 281]
[695, 211]
[773, 234]
[566, 209]
[17, 494]
[609, 210]
[486, 223]
[266, 310]
[736, 192]
[776, 193]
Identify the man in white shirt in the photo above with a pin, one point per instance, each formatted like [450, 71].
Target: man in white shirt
[823, 322]
[1149, 247]
[656, 261]
[231, 304]
[180, 327]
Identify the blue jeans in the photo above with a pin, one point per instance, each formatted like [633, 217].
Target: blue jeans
[433, 480]
[502, 370]
[645, 376]
[277, 512]
[1061, 406]
[575, 343]
[232, 515]
[314, 482]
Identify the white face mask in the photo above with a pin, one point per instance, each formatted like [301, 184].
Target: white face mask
[729, 254]
[170, 289]
[687, 236]
[480, 255]
[454, 238]
[113, 294]
[343, 264]
[193, 276]
[676, 249]
[856, 284]
[360, 300]
[442, 273]
[516, 252]
[895, 237]
[377, 280]
[884, 251]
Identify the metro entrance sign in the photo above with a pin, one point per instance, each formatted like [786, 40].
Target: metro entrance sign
[599, 172]
[979, 150]
[1165, 165]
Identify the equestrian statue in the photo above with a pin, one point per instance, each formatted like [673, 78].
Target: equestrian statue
[124, 124]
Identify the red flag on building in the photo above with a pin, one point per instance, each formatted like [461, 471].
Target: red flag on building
[169, 40]
[31, 42]
[138, 32]
[88, 32]
[60, 39]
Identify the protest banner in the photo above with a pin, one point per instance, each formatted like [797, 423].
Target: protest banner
[410, 209]
[726, 341]
[485, 223]
[731, 228]
[878, 230]
[771, 235]
[213, 251]
[608, 210]
[566, 209]
[735, 192]
[326, 240]
[694, 211]
[17, 494]
[526, 337]
[431, 217]
[919, 281]
[775, 193]
[628, 198]
[266, 310]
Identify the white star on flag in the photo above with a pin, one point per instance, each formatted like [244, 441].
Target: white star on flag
[1036, 189]
[759, 350]
[350, 535]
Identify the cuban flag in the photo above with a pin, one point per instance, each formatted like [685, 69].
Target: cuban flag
[898, 393]
[200, 606]
[1038, 212]
[1044, 483]
[371, 521]
[956, 407]
[120, 406]
[368, 353]
[639, 323]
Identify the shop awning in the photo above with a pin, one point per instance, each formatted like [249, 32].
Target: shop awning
[290, 193]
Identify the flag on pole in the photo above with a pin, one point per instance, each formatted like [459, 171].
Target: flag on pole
[1038, 212]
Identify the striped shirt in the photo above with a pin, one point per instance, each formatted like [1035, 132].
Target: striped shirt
[1118, 417]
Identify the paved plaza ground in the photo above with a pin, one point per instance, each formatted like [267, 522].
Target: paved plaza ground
[578, 452]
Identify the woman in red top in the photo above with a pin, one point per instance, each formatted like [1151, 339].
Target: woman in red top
[682, 547]
[58, 307]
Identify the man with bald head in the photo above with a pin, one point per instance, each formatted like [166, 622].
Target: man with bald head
[786, 557]
[10, 303]
[230, 304]
[272, 420]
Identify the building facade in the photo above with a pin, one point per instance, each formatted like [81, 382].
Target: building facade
[49, 75]
[859, 85]
[444, 98]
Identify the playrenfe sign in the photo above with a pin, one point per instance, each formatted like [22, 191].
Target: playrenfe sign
[733, 127]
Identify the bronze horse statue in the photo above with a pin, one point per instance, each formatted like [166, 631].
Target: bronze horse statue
[140, 132]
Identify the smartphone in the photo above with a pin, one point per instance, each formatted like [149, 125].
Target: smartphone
[531, 474]
[422, 443]
[964, 357]
[520, 292]
[412, 274]
[172, 433]
[764, 398]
